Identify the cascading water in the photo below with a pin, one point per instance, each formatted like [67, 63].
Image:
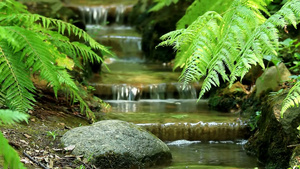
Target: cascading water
[149, 95]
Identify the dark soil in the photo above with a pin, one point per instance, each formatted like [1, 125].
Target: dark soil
[40, 138]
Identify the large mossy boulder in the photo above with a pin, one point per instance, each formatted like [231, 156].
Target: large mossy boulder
[272, 142]
[117, 144]
[270, 80]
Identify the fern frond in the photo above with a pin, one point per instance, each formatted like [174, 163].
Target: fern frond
[73, 93]
[292, 99]
[10, 156]
[11, 7]
[192, 39]
[14, 81]
[75, 50]
[62, 27]
[161, 3]
[199, 7]
[264, 40]
[36, 53]
[10, 117]
[2, 99]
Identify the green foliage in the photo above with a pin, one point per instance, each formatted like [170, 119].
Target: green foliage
[162, 3]
[290, 51]
[10, 117]
[10, 156]
[31, 44]
[233, 41]
[254, 120]
[53, 134]
[199, 7]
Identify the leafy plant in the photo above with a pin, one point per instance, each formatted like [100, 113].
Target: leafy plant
[199, 7]
[253, 121]
[30, 44]
[53, 134]
[225, 46]
[10, 156]
[291, 53]
[162, 3]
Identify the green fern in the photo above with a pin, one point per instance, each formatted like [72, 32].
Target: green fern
[161, 3]
[292, 99]
[199, 7]
[11, 117]
[10, 156]
[236, 40]
[31, 44]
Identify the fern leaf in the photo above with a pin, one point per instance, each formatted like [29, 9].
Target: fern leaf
[161, 3]
[2, 100]
[36, 53]
[264, 40]
[199, 7]
[60, 25]
[10, 156]
[15, 82]
[207, 49]
[10, 117]
[72, 91]
[10, 7]
[292, 99]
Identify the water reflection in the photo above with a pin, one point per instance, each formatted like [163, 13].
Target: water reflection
[156, 105]
[230, 154]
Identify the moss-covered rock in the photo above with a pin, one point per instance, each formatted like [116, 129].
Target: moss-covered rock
[270, 80]
[118, 144]
[228, 99]
[271, 141]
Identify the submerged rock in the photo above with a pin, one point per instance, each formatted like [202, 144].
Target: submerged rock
[117, 144]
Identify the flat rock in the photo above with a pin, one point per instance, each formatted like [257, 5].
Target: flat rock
[117, 144]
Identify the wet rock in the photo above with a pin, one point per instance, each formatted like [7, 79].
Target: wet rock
[251, 77]
[271, 142]
[228, 99]
[117, 144]
[271, 78]
[200, 131]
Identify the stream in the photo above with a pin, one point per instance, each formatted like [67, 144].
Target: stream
[150, 95]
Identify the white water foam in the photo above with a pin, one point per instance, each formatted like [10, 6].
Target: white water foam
[182, 142]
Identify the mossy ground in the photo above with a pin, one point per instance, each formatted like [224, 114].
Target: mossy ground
[40, 138]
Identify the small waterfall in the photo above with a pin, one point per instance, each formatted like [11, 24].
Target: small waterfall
[210, 131]
[186, 91]
[120, 14]
[157, 91]
[94, 15]
[101, 15]
[131, 92]
[125, 92]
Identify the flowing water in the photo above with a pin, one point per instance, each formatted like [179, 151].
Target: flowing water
[150, 95]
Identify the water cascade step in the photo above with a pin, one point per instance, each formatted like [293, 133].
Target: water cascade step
[201, 131]
[103, 15]
[149, 94]
[132, 92]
